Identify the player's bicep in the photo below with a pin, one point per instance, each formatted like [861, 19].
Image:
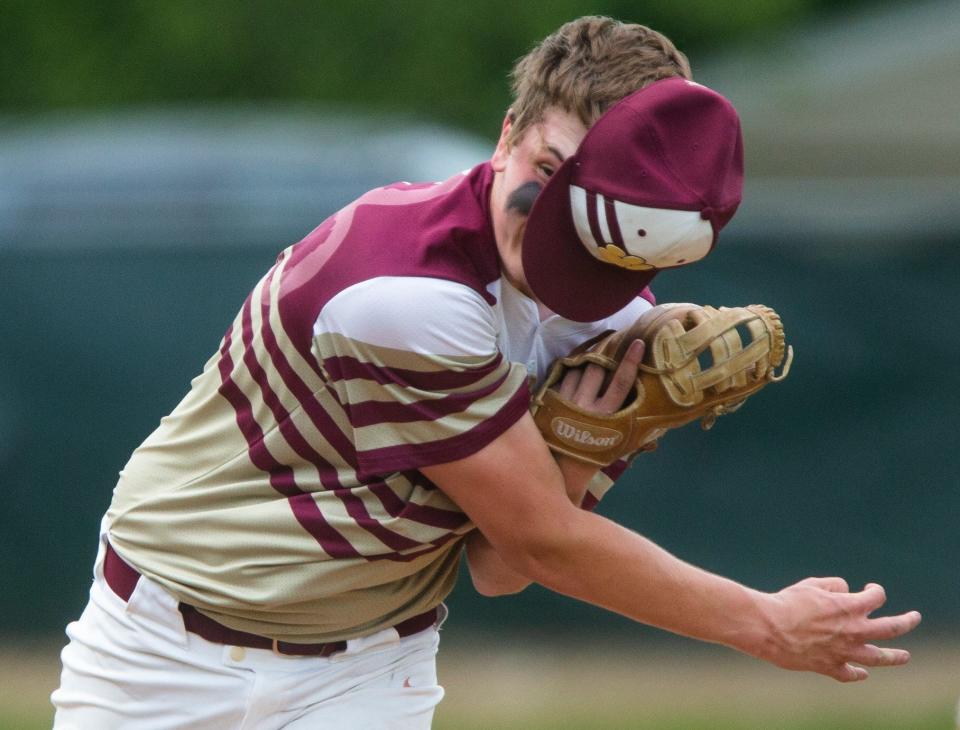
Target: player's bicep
[511, 489]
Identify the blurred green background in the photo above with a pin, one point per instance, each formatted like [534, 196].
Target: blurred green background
[155, 157]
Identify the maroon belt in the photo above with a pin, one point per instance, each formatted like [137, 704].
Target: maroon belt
[122, 579]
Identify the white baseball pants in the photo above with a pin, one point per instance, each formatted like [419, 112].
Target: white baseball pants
[132, 666]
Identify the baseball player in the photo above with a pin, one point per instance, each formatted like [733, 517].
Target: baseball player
[277, 552]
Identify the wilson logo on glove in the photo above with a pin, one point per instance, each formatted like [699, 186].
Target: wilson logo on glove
[581, 434]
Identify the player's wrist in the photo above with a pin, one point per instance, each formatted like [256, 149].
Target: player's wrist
[753, 630]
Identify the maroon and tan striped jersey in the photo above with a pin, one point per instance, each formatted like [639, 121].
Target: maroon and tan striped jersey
[282, 496]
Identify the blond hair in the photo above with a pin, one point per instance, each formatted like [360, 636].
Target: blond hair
[588, 65]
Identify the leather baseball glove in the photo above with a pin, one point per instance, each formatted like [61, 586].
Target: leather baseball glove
[700, 362]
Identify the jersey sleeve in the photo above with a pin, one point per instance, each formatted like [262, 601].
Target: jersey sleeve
[602, 482]
[413, 363]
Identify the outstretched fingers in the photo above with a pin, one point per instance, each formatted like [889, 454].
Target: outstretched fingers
[866, 655]
[847, 673]
[870, 598]
[883, 628]
[890, 627]
[874, 656]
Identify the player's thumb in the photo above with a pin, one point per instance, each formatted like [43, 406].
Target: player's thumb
[872, 597]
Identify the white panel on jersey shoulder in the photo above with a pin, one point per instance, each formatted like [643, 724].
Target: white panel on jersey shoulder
[628, 315]
[418, 314]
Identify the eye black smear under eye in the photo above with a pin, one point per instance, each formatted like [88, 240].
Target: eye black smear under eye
[521, 199]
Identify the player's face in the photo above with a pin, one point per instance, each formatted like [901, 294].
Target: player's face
[522, 170]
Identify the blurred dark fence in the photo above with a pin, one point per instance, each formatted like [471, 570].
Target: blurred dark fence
[848, 467]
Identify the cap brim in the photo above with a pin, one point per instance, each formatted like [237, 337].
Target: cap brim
[560, 271]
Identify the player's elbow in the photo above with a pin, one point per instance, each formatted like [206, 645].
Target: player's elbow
[537, 551]
[489, 573]
[492, 586]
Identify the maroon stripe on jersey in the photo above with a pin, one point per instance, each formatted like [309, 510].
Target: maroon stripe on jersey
[304, 509]
[326, 471]
[433, 545]
[372, 413]
[303, 394]
[292, 317]
[612, 223]
[413, 456]
[434, 516]
[425, 515]
[348, 368]
[328, 475]
[388, 498]
[592, 219]
[296, 441]
[357, 510]
[280, 476]
[613, 471]
[616, 469]
[318, 416]
[312, 520]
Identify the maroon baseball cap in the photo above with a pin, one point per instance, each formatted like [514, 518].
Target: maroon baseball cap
[648, 188]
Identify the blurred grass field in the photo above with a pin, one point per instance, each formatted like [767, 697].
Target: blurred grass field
[507, 685]
[682, 685]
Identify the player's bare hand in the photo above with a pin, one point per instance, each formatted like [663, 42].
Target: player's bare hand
[595, 389]
[819, 625]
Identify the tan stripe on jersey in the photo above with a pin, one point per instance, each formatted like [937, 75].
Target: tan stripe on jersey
[400, 400]
[384, 435]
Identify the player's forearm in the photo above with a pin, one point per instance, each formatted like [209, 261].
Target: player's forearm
[577, 476]
[598, 561]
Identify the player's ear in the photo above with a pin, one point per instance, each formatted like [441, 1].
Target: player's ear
[502, 150]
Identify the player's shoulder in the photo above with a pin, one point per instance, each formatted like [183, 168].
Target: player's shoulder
[413, 313]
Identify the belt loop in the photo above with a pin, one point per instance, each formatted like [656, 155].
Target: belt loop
[118, 574]
[276, 648]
